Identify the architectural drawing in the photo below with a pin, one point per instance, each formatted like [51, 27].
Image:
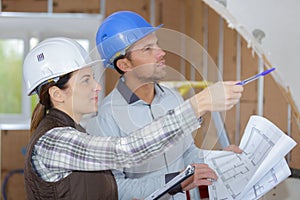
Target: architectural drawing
[250, 174]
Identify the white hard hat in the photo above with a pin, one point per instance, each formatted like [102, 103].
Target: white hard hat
[52, 58]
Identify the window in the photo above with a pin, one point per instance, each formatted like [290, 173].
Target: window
[15, 106]
[11, 59]
[19, 33]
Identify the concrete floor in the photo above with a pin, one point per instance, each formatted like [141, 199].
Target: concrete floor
[287, 190]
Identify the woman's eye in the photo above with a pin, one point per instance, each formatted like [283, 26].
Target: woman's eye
[86, 80]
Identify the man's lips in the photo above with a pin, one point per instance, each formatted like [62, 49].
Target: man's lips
[162, 63]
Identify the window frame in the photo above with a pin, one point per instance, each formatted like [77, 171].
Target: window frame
[25, 26]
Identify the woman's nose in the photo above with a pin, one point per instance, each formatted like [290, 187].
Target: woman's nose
[98, 87]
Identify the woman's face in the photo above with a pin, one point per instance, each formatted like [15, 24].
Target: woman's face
[81, 96]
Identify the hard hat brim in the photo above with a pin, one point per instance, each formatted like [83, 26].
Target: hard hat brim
[93, 63]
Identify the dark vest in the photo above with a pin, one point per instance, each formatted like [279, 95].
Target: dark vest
[79, 185]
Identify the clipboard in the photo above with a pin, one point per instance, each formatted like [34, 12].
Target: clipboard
[189, 171]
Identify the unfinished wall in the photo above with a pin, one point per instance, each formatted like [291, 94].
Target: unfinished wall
[13, 149]
[59, 6]
[187, 17]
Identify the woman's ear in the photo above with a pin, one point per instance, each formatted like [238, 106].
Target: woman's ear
[56, 94]
[124, 64]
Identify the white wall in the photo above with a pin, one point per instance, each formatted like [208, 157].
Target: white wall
[279, 20]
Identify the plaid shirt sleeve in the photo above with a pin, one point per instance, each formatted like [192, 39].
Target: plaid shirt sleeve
[64, 149]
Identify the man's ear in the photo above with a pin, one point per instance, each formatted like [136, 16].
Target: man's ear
[124, 64]
[55, 94]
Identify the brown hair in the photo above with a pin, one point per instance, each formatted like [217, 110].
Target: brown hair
[127, 55]
[45, 103]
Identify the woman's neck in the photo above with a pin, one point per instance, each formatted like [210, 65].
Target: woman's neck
[76, 117]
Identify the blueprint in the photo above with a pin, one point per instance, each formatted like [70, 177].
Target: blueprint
[258, 169]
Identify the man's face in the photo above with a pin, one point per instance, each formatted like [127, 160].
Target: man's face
[147, 60]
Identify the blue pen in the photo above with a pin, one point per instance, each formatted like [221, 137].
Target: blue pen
[252, 78]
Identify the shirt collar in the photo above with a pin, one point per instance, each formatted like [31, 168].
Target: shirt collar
[130, 96]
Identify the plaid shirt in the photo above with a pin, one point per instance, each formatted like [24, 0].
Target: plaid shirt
[62, 150]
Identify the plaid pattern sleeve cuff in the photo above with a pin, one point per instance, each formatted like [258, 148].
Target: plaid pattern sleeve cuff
[187, 117]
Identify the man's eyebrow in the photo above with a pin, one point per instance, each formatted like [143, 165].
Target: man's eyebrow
[151, 44]
[139, 47]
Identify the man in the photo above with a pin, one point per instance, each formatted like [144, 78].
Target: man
[128, 44]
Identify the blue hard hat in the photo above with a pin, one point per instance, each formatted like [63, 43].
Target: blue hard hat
[118, 32]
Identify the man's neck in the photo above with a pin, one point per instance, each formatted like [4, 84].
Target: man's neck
[144, 91]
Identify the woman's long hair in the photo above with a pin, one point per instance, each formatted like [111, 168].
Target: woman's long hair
[45, 102]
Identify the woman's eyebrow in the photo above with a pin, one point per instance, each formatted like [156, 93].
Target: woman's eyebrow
[85, 76]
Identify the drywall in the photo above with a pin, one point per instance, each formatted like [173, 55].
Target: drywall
[278, 20]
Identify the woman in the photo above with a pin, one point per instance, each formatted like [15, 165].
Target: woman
[64, 162]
